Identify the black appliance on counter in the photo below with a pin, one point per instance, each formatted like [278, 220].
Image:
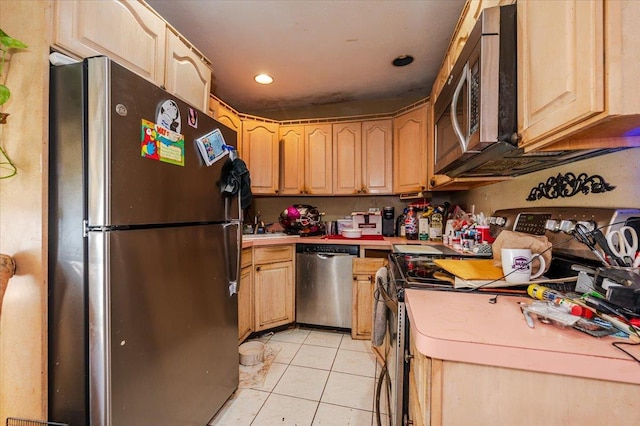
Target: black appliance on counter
[408, 270]
[388, 222]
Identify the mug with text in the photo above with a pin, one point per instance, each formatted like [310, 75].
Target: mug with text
[516, 265]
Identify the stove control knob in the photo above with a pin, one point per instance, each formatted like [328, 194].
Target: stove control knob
[500, 221]
[567, 226]
[552, 225]
[589, 224]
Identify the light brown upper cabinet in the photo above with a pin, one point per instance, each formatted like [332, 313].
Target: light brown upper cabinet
[228, 117]
[135, 37]
[318, 158]
[292, 160]
[260, 152]
[186, 75]
[362, 157]
[377, 157]
[347, 158]
[410, 150]
[578, 74]
[136, 42]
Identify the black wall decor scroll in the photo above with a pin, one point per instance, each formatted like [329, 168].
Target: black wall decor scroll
[568, 185]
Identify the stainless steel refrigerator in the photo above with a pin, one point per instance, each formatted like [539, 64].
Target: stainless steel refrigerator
[144, 254]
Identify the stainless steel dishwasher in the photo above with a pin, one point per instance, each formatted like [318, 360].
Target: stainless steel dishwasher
[323, 284]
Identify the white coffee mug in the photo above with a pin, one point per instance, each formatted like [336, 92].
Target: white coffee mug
[516, 265]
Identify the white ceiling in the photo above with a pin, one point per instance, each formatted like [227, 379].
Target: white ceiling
[319, 52]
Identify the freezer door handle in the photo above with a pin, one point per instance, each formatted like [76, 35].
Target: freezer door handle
[235, 271]
[230, 208]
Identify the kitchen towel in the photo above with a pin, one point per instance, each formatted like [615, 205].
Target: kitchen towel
[236, 180]
[379, 308]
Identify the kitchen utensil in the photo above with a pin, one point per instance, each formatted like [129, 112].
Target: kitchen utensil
[601, 240]
[624, 244]
[516, 265]
[351, 233]
[582, 234]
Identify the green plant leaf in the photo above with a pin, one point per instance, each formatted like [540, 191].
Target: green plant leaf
[11, 43]
[4, 94]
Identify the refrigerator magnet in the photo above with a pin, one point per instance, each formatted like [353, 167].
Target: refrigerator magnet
[168, 116]
[161, 144]
[212, 147]
[193, 118]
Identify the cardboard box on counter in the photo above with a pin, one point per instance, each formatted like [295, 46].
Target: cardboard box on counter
[369, 222]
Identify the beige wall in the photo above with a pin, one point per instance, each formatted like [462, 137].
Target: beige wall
[23, 213]
[620, 169]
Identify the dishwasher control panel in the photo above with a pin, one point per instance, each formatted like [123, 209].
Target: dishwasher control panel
[350, 249]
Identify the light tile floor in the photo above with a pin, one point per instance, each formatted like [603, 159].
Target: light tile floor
[318, 378]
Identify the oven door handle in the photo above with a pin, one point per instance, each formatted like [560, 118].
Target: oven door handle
[391, 304]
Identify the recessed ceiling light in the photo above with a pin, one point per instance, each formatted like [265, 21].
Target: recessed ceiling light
[402, 60]
[263, 79]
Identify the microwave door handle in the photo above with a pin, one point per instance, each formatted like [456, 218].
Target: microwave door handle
[464, 141]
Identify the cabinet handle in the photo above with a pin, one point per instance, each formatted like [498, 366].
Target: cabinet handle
[257, 269]
[407, 356]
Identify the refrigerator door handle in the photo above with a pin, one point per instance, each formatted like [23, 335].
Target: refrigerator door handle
[232, 277]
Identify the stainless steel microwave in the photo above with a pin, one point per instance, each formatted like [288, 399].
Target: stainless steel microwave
[477, 107]
[476, 113]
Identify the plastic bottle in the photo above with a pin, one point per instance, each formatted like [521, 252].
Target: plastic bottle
[423, 228]
[411, 225]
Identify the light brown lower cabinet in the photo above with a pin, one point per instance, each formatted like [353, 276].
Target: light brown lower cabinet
[364, 277]
[274, 287]
[245, 295]
[457, 393]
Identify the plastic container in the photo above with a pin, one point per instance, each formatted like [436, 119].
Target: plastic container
[351, 233]
[251, 353]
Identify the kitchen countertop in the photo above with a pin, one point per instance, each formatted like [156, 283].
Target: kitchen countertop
[464, 327]
[385, 243]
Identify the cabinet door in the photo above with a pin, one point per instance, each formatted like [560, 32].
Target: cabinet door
[245, 304]
[274, 295]
[260, 153]
[228, 117]
[186, 76]
[347, 158]
[364, 275]
[410, 151]
[318, 157]
[377, 153]
[124, 30]
[560, 65]
[292, 160]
